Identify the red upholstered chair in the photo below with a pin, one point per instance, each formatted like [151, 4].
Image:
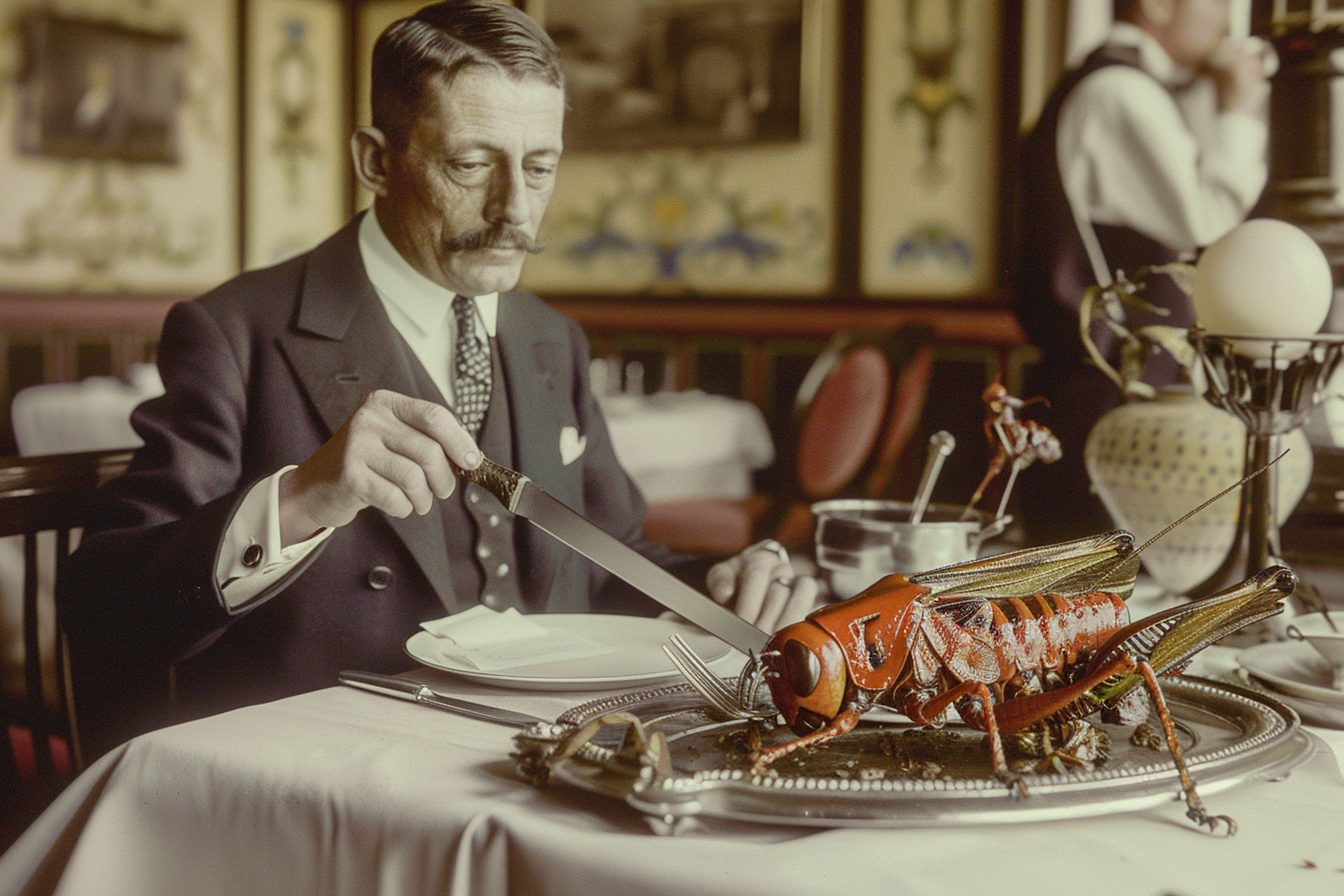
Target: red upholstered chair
[42, 500]
[854, 414]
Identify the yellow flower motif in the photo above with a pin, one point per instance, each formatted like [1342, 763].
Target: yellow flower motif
[669, 209]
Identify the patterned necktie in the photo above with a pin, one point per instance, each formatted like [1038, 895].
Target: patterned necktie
[472, 386]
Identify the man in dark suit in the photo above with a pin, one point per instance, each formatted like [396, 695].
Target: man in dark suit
[294, 510]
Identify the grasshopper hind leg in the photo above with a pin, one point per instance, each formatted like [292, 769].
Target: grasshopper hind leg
[1195, 810]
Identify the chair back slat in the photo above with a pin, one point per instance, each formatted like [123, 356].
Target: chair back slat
[40, 494]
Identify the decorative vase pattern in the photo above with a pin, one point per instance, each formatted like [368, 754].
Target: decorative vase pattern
[1152, 462]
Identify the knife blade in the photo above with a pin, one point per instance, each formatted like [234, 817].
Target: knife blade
[526, 499]
[405, 689]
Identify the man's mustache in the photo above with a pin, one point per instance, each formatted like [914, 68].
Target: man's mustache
[498, 236]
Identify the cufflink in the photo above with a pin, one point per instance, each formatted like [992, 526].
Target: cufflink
[379, 578]
[252, 555]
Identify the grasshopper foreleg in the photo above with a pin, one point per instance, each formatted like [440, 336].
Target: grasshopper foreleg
[841, 724]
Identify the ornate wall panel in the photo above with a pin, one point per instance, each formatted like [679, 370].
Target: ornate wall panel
[730, 216]
[931, 126]
[297, 135]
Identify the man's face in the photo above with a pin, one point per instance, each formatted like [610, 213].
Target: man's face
[463, 201]
[1195, 30]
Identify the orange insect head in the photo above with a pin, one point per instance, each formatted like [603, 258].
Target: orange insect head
[805, 670]
[994, 392]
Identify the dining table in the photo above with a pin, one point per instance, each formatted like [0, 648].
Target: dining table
[688, 444]
[343, 791]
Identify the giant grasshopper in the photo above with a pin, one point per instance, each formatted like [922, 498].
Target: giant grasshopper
[1024, 643]
[1033, 640]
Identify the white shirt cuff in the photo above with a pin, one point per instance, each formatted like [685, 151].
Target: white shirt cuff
[251, 558]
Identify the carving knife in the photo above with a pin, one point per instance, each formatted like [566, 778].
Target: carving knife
[405, 689]
[524, 498]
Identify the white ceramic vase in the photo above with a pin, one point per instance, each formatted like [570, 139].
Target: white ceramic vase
[1152, 462]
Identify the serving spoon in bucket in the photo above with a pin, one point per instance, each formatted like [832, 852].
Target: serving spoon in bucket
[941, 444]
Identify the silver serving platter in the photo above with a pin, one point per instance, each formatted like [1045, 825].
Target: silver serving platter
[867, 778]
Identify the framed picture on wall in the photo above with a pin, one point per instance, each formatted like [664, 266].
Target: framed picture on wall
[99, 90]
[930, 128]
[119, 163]
[652, 73]
[699, 148]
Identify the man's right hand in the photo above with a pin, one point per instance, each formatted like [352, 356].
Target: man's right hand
[395, 453]
[1240, 77]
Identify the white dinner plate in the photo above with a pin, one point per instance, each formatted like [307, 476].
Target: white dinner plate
[637, 659]
[1293, 668]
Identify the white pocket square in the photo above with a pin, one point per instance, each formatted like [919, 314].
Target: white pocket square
[571, 445]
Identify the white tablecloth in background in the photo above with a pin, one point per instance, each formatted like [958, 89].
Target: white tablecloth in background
[673, 444]
[688, 444]
[346, 792]
[91, 415]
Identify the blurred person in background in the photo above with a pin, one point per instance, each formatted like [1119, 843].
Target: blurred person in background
[1152, 148]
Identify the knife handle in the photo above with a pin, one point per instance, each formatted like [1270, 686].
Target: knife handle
[498, 480]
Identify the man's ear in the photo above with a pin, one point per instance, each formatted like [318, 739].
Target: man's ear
[370, 150]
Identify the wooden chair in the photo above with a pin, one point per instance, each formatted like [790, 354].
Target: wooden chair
[45, 494]
[853, 417]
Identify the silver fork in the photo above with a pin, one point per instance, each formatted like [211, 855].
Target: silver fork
[735, 702]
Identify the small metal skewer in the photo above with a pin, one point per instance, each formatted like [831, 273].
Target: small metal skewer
[941, 444]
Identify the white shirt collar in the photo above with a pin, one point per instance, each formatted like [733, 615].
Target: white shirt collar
[422, 300]
[1153, 58]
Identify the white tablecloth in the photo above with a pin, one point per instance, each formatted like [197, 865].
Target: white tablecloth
[89, 415]
[342, 791]
[688, 444]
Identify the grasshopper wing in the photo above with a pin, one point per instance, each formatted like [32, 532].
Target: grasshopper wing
[1169, 638]
[1098, 563]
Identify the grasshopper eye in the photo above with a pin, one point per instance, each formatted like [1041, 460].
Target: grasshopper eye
[802, 669]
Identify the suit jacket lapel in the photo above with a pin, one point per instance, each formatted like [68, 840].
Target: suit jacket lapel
[339, 349]
[535, 392]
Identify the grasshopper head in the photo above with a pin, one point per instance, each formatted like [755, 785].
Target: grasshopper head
[805, 669]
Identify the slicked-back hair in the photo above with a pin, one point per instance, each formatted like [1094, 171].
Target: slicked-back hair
[441, 40]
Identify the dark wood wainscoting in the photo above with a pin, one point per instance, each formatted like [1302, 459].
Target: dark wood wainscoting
[761, 349]
[59, 338]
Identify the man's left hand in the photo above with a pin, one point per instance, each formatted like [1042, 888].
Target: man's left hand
[762, 587]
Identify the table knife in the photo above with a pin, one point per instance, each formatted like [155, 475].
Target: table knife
[405, 689]
[524, 498]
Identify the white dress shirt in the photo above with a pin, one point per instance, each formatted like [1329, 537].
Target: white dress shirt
[421, 310]
[1174, 168]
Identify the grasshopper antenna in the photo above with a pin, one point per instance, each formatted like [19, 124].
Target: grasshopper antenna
[1236, 485]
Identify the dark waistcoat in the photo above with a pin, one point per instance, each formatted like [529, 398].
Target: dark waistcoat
[1055, 502]
[1054, 268]
[478, 530]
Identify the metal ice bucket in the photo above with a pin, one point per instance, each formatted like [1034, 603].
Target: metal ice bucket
[859, 541]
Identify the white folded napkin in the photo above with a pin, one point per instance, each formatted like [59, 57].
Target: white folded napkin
[490, 641]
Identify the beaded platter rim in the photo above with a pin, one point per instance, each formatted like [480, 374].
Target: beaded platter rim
[1232, 735]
